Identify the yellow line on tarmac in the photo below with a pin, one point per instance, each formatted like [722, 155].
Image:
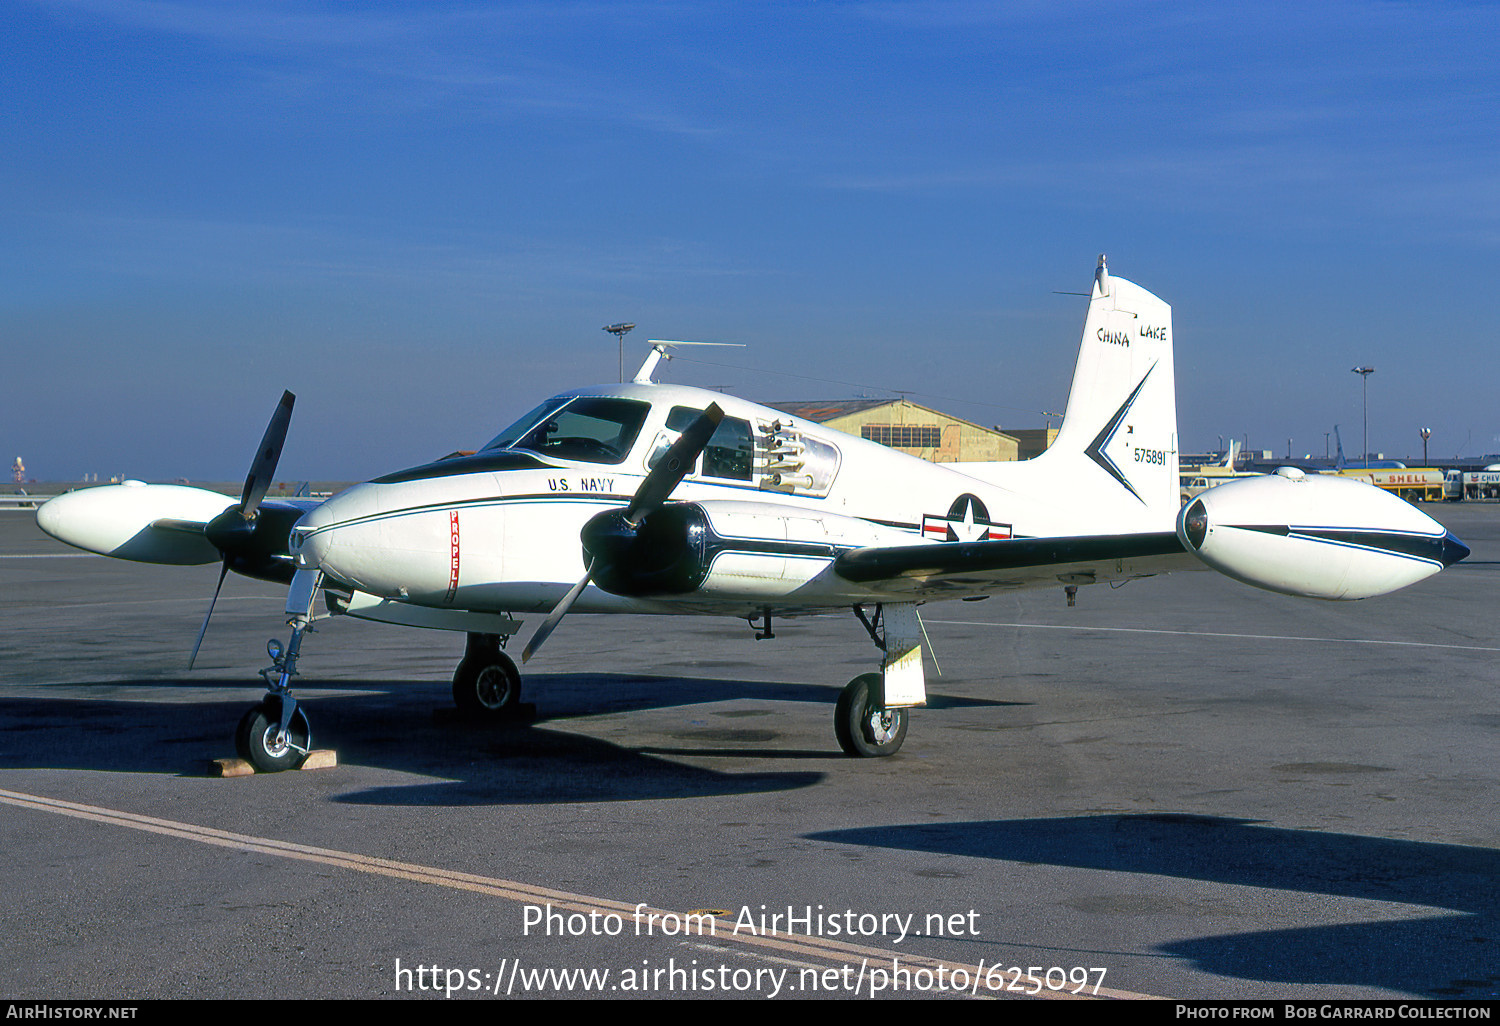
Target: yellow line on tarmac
[1215, 634]
[841, 952]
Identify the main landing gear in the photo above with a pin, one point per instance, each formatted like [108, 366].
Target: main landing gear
[870, 717]
[864, 728]
[486, 684]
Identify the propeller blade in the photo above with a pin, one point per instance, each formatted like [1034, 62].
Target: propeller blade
[223, 572]
[555, 617]
[263, 469]
[231, 531]
[674, 465]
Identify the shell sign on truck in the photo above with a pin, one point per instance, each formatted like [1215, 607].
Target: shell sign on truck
[1414, 485]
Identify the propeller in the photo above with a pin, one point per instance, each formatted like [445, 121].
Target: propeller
[233, 530]
[620, 528]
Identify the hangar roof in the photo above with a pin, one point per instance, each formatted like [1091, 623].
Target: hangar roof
[822, 411]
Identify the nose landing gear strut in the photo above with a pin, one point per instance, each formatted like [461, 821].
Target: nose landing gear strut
[275, 734]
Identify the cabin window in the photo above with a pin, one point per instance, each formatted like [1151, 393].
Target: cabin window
[730, 453]
[589, 430]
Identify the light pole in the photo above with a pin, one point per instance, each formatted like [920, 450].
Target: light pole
[1364, 378]
[619, 331]
[1426, 434]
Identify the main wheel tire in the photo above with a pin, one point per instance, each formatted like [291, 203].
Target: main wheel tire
[255, 738]
[864, 729]
[487, 687]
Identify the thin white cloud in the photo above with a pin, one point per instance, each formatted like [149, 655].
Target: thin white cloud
[421, 56]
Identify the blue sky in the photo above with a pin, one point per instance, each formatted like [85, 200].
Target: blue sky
[418, 216]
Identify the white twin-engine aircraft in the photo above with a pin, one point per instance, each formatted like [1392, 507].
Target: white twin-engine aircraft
[658, 498]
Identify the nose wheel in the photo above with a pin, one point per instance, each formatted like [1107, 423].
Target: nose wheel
[261, 741]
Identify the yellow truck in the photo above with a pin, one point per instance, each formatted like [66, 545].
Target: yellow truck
[1414, 484]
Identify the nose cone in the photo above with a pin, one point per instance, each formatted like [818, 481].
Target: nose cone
[329, 538]
[1453, 550]
[307, 549]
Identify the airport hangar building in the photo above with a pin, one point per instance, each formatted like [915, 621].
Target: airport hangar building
[920, 430]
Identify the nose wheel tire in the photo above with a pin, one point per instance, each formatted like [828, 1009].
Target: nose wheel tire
[487, 687]
[863, 728]
[255, 738]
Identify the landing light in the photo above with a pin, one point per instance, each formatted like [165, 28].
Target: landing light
[1195, 524]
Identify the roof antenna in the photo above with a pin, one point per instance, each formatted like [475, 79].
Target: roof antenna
[661, 350]
[1101, 283]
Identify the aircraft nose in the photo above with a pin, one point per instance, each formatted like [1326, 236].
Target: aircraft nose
[375, 538]
[308, 547]
[316, 538]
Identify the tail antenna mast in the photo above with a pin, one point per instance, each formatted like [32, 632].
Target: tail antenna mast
[661, 350]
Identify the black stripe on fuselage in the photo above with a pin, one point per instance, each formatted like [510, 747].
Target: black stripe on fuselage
[1441, 549]
[456, 466]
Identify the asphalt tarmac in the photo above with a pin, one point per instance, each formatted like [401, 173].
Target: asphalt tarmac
[1183, 788]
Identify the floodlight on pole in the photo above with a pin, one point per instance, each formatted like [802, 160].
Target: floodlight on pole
[1364, 377]
[619, 331]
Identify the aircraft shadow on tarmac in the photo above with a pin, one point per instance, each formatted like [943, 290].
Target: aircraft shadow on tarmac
[1436, 956]
[412, 727]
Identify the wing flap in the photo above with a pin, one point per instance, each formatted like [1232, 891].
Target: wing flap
[1016, 563]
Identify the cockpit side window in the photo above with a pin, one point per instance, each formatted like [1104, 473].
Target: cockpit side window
[591, 430]
[730, 453]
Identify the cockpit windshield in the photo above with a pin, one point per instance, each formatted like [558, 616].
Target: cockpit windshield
[589, 429]
[513, 434]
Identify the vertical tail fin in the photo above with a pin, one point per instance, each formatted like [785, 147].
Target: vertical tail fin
[1118, 439]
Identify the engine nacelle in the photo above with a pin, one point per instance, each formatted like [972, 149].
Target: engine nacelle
[1315, 535]
[756, 550]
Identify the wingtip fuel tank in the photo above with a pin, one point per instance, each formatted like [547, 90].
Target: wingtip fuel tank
[1316, 536]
